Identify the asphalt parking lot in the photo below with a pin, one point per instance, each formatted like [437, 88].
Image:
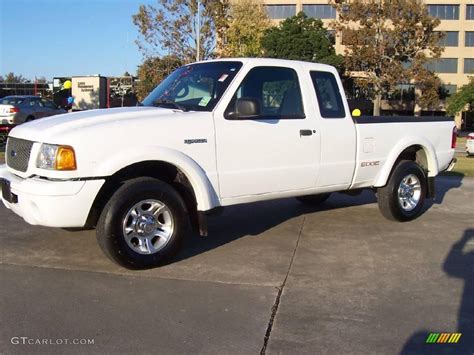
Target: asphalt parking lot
[273, 276]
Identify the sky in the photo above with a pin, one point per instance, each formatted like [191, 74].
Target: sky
[68, 37]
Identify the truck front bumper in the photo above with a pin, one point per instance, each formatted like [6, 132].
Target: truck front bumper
[38, 201]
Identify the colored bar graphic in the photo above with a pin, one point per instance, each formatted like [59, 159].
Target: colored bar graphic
[454, 338]
[443, 338]
[432, 338]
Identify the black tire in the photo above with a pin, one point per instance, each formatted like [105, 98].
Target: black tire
[29, 119]
[388, 196]
[313, 200]
[110, 233]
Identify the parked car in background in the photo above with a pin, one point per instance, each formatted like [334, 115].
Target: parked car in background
[21, 109]
[470, 144]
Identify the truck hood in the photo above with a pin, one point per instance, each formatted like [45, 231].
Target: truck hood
[45, 129]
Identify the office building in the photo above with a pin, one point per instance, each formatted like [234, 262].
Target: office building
[457, 20]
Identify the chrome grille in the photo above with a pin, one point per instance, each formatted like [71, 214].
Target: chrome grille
[18, 153]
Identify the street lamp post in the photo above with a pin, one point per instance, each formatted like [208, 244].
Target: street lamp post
[198, 31]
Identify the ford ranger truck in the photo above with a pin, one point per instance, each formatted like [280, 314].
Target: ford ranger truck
[215, 134]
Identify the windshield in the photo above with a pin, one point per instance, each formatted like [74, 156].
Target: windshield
[194, 87]
[11, 101]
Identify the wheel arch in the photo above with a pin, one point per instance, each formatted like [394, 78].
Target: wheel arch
[414, 149]
[178, 170]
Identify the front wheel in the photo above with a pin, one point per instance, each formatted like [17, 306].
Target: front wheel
[143, 224]
[403, 197]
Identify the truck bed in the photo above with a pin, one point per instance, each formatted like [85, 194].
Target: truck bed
[381, 140]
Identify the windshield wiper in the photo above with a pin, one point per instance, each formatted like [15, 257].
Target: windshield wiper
[170, 103]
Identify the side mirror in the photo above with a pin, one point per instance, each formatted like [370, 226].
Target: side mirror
[247, 107]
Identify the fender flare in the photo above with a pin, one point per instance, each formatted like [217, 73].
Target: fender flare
[206, 196]
[428, 148]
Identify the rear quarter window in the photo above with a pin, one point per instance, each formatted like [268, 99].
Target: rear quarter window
[327, 93]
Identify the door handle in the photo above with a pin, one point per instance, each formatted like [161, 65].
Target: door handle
[305, 132]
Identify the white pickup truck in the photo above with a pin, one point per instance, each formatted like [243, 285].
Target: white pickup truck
[215, 134]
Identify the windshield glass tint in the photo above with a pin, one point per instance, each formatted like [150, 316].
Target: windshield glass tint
[195, 87]
[11, 101]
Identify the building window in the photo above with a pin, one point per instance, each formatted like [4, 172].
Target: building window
[402, 92]
[320, 11]
[444, 65]
[450, 40]
[331, 34]
[277, 12]
[444, 12]
[469, 42]
[469, 66]
[446, 90]
[470, 12]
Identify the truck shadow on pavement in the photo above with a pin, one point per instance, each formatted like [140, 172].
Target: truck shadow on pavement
[458, 264]
[258, 217]
[444, 184]
[255, 218]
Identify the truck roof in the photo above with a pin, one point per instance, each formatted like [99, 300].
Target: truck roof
[276, 62]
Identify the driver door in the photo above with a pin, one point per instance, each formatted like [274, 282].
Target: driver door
[275, 151]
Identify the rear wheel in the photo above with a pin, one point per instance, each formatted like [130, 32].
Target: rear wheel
[143, 224]
[403, 197]
[313, 199]
[29, 119]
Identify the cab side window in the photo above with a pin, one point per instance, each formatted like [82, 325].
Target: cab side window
[327, 92]
[275, 90]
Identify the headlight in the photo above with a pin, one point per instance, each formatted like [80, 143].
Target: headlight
[56, 157]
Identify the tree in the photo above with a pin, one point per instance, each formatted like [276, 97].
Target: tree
[464, 97]
[246, 27]
[301, 38]
[390, 42]
[12, 78]
[152, 71]
[171, 26]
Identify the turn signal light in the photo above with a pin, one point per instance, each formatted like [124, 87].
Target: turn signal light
[14, 110]
[65, 158]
